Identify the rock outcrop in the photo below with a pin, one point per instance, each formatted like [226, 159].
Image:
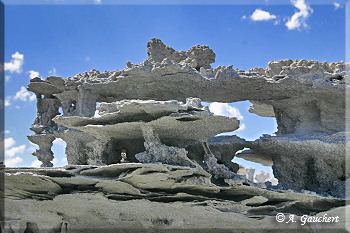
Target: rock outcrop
[307, 98]
[156, 152]
[132, 197]
[139, 127]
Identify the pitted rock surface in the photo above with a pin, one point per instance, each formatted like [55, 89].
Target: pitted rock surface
[306, 97]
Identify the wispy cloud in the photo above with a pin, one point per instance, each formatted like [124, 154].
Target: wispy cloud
[97, 1]
[260, 15]
[24, 95]
[12, 162]
[59, 141]
[36, 163]
[33, 74]
[10, 150]
[7, 101]
[15, 150]
[53, 71]
[87, 58]
[298, 20]
[225, 109]
[241, 127]
[7, 78]
[9, 142]
[16, 63]
[31, 149]
[337, 5]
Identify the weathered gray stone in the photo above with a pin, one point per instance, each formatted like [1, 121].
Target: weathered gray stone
[170, 120]
[44, 154]
[250, 174]
[307, 99]
[131, 120]
[198, 56]
[22, 186]
[151, 197]
[223, 148]
[252, 156]
[156, 152]
[305, 162]
[216, 169]
[261, 109]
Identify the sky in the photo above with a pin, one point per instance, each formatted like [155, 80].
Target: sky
[50, 37]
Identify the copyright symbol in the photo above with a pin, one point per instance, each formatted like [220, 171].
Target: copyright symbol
[280, 217]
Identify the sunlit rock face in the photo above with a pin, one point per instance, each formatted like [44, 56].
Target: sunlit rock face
[149, 123]
[163, 95]
[135, 197]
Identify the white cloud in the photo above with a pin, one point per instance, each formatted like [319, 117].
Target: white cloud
[32, 97]
[11, 151]
[9, 142]
[87, 58]
[97, 1]
[31, 149]
[15, 150]
[59, 141]
[24, 95]
[260, 15]
[7, 101]
[16, 63]
[241, 127]
[7, 131]
[36, 163]
[225, 109]
[7, 78]
[54, 161]
[299, 18]
[13, 161]
[337, 6]
[53, 72]
[33, 74]
[244, 17]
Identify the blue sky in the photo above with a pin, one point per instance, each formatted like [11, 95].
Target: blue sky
[52, 38]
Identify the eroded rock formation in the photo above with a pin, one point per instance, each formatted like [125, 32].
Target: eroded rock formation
[147, 124]
[307, 98]
[156, 152]
[151, 198]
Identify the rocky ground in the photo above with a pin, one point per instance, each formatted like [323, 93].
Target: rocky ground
[134, 197]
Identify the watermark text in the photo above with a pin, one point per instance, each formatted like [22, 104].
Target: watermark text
[280, 217]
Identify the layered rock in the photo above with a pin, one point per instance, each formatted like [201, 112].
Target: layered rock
[149, 123]
[302, 162]
[151, 197]
[307, 98]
